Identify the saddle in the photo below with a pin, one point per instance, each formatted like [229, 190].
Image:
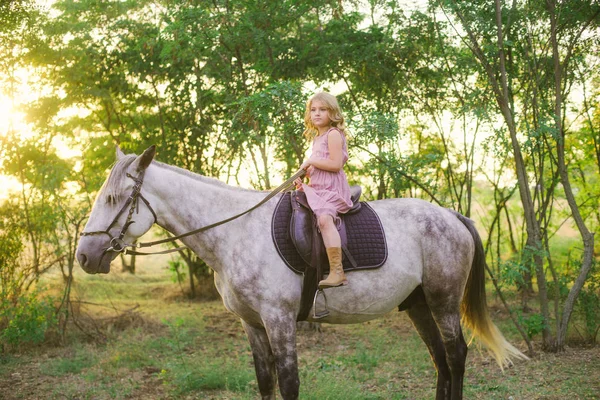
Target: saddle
[303, 223]
[300, 245]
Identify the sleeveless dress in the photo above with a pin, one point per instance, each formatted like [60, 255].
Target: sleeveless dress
[328, 192]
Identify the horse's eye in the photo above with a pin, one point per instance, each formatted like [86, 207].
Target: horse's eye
[110, 199]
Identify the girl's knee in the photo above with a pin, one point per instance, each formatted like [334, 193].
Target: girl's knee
[325, 222]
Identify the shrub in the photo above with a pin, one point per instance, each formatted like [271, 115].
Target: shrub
[533, 323]
[587, 307]
[27, 320]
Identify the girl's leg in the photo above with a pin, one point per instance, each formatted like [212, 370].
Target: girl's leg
[331, 236]
[333, 245]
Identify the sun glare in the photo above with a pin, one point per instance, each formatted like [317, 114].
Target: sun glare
[7, 115]
[10, 120]
[8, 185]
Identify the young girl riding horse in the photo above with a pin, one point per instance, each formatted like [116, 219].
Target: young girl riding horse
[328, 193]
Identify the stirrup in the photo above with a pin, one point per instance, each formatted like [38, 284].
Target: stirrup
[321, 314]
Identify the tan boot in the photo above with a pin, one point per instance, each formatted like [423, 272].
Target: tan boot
[336, 275]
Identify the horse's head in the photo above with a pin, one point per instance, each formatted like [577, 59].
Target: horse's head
[121, 214]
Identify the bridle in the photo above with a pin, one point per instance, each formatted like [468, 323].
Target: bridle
[118, 245]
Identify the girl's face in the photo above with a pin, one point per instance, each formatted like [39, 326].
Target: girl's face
[319, 114]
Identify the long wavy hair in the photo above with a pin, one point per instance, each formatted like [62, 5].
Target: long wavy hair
[335, 115]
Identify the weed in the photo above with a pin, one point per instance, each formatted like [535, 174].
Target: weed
[196, 376]
[366, 360]
[82, 359]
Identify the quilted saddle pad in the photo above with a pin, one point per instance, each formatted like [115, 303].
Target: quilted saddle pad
[366, 238]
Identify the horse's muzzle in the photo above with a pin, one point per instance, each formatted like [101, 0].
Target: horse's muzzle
[92, 264]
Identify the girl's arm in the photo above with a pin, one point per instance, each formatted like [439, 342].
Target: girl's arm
[335, 162]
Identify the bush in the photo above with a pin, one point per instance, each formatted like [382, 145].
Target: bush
[27, 320]
[587, 307]
[24, 316]
[533, 323]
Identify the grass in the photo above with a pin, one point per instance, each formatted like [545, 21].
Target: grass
[159, 345]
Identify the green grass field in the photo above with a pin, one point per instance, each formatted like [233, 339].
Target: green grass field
[140, 338]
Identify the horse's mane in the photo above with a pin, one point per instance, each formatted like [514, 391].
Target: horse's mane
[198, 177]
[111, 188]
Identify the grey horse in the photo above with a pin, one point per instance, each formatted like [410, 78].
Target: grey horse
[434, 270]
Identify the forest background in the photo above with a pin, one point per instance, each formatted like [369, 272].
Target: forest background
[488, 108]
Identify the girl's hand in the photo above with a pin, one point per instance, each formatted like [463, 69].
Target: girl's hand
[309, 171]
[298, 183]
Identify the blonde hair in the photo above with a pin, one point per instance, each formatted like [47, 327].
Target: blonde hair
[335, 115]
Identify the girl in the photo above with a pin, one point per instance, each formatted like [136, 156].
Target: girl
[328, 193]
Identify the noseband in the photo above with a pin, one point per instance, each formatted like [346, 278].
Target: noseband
[116, 242]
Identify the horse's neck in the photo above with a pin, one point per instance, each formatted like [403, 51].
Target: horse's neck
[186, 202]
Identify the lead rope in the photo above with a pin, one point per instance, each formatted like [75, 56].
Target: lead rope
[281, 188]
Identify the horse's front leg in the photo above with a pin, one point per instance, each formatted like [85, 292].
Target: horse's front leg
[282, 336]
[264, 362]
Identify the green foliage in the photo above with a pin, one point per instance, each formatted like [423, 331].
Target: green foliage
[13, 13]
[272, 121]
[512, 273]
[365, 359]
[28, 320]
[25, 316]
[81, 360]
[209, 375]
[187, 374]
[532, 323]
[376, 127]
[175, 268]
[560, 286]
[10, 248]
[587, 306]
[179, 334]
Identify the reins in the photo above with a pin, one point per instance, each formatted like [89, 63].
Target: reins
[118, 245]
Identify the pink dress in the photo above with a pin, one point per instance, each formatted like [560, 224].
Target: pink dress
[328, 192]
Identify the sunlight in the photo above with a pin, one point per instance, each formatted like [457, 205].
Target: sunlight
[8, 185]
[64, 149]
[7, 115]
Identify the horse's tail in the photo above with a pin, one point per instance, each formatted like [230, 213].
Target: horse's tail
[474, 308]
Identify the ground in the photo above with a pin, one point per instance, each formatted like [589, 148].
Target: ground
[141, 338]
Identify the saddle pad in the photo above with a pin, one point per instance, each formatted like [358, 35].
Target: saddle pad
[366, 238]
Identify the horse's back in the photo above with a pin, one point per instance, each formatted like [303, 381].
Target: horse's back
[444, 244]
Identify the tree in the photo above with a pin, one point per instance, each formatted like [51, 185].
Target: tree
[545, 77]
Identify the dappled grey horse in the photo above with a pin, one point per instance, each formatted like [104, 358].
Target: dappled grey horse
[434, 269]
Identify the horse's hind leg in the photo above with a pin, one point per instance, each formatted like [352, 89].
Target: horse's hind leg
[420, 315]
[264, 362]
[445, 310]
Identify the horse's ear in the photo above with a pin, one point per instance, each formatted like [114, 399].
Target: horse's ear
[143, 160]
[120, 153]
